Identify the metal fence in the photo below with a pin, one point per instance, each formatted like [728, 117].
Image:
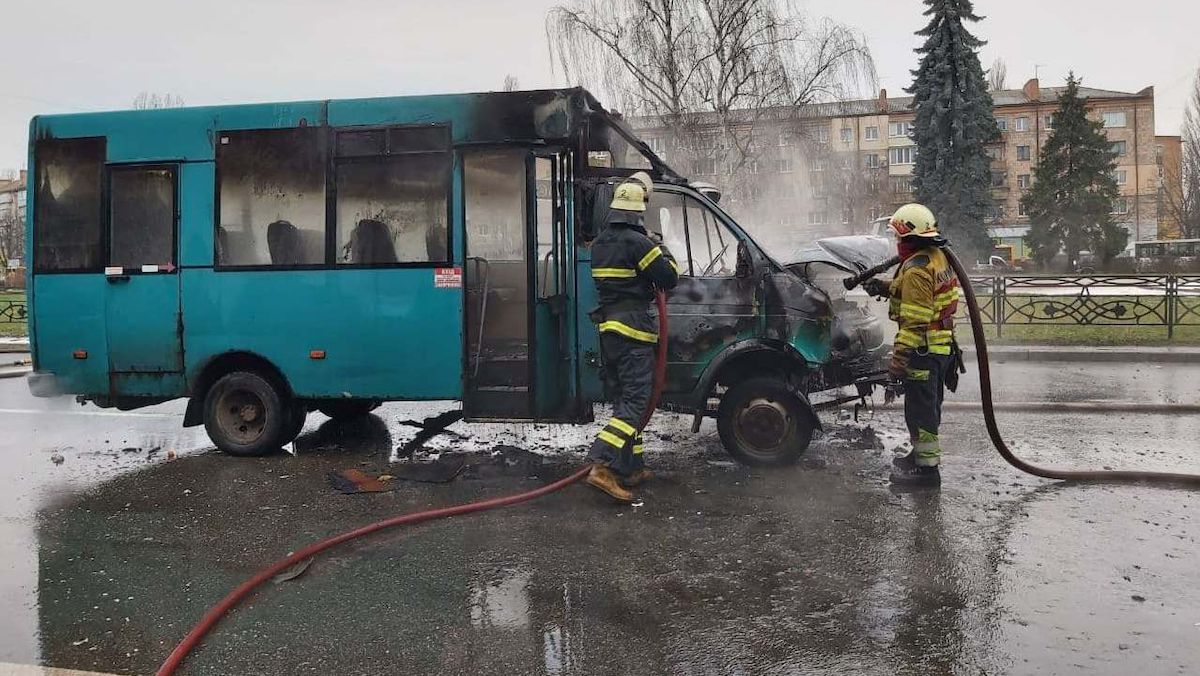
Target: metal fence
[13, 312]
[1167, 301]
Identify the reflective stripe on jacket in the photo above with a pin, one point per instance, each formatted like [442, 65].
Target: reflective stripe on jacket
[924, 298]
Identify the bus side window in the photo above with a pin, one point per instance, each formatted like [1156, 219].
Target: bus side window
[67, 218]
[393, 188]
[272, 197]
[141, 216]
[664, 217]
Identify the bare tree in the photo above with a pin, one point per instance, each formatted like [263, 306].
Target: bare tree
[152, 100]
[12, 237]
[700, 64]
[511, 84]
[997, 75]
[1182, 204]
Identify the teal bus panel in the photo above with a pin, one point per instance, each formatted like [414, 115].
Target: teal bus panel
[70, 316]
[385, 333]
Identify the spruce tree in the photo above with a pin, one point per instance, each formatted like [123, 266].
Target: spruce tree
[1070, 204]
[954, 123]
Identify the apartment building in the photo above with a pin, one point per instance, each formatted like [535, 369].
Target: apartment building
[12, 221]
[833, 167]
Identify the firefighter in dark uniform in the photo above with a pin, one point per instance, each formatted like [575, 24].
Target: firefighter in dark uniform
[922, 301]
[626, 266]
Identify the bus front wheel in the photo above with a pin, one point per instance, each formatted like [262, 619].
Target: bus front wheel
[246, 414]
[763, 421]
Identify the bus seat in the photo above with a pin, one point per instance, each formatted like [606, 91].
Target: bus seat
[371, 242]
[284, 244]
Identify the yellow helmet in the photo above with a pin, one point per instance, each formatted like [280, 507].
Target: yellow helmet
[643, 178]
[629, 196]
[914, 220]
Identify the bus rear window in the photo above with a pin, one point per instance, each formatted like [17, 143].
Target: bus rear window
[67, 206]
[272, 197]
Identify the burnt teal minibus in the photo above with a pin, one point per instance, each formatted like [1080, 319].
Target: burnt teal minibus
[268, 260]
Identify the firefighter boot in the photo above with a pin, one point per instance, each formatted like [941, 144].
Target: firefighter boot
[638, 477]
[906, 472]
[604, 479]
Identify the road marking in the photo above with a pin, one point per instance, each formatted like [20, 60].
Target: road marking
[102, 414]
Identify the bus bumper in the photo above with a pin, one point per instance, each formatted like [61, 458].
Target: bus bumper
[42, 384]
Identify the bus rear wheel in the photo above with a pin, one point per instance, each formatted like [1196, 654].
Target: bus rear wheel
[763, 421]
[246, 414]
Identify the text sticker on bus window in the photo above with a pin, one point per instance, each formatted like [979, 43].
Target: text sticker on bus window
[149, 268]
[114, 270]
[447, 278]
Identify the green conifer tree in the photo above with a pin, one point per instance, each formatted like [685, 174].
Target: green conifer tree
[1070, 205]
[954, 123]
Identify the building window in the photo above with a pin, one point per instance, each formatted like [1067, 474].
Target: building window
[1120, 206]
[899, 129]
[1119, 148]
[872, 133]
[902, 184]
[751, 166]
[999, 179]
[1048, 122]
[847, 214]
[656, 143]
[847, 134]
[871, 160]
[1120, 176]
[1021, 124]
[995, 153]
[1114, 118]
[785, 138]
[819, 164]
[902, 155]
[1002, 123]
[1023, 153]
[783, 166]
[67, 231]
[817, 217]
[1022, 210]
[1023, 181]
[392, 187]
[271, 197]
[704, 167]
[995, 213]
[822, 134]
[874, 213]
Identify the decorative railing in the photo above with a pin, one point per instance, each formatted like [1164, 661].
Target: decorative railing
[1099, 300]
[13, 312]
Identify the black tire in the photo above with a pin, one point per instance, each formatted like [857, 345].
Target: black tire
[347, 409]
[247, 414]
[764, 422]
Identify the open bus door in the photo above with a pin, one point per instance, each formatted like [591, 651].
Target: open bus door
[519, 351]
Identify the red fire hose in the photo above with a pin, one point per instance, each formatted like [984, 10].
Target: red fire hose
[231, 600]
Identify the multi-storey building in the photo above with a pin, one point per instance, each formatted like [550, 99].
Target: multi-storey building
[798, 173]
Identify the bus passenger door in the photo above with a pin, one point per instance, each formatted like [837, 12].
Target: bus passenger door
[142, 308]
[553, 306]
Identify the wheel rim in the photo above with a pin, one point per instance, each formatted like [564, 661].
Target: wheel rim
[763, 425]
[242, 416]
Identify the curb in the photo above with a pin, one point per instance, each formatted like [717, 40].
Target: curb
[1002, 354]
[1064, 407]
[14, 347]
[4, 375]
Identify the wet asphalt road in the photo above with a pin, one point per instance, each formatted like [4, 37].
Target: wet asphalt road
[108, 558]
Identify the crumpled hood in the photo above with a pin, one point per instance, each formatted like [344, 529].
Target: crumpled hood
[852, 253]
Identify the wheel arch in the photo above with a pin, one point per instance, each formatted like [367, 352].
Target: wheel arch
[747, 359]
[218, 365]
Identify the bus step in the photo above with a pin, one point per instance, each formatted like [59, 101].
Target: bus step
[507, 372]
[498, 401]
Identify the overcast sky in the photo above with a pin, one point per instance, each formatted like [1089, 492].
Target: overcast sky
[64, 56]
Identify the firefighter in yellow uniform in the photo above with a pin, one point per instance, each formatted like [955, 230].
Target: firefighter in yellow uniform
[923, 298]
[627, 266]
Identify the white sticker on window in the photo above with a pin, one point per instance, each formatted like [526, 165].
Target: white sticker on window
[149, 268]
[114, 270]
[447, 278]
